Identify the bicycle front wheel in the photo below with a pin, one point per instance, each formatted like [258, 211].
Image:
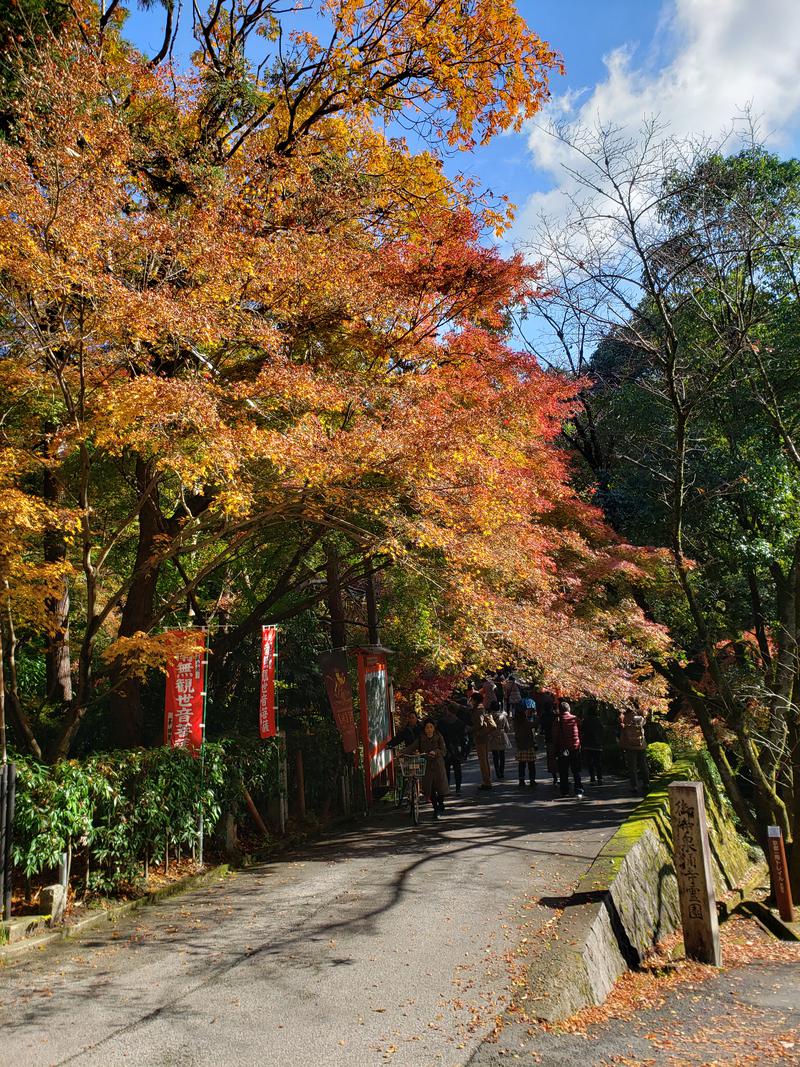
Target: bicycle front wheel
[415, 801]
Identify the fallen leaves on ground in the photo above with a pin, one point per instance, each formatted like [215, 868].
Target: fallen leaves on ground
[743, 943]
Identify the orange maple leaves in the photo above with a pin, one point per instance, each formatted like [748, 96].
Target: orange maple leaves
[316, 337]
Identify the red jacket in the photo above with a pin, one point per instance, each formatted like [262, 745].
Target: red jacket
[567, 734]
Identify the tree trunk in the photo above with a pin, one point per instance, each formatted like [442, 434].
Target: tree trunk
[373, 633]
[759, 619]
[59, 675]
[793, 846]
[137, 615]
[3, 741]
[334, 599]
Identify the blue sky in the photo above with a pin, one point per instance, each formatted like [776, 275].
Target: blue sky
[695, 63]
[583, 31]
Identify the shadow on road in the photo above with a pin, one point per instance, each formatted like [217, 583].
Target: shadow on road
[271, 915]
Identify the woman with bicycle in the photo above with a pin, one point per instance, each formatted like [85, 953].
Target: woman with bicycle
[431, 745]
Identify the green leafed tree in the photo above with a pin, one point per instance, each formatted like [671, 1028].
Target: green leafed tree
[677, 283]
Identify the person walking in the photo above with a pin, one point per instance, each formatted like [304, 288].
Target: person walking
[431, 745]
[634, 748]
[547, 721]
[529, 704]
[488, 689]
[453, 731]
[526, 746]
[592, 745]
[568, 746]
[513, 695]
[408, 732]
[500, 691]
[482, 725]
[499, 742]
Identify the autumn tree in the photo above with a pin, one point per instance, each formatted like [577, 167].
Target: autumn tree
[240, 323]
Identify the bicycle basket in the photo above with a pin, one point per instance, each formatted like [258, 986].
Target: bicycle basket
[413, 766]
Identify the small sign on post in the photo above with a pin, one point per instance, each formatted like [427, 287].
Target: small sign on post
[779, 874]
[693, 868]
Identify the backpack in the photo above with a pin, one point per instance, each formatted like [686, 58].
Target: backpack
[632, 735]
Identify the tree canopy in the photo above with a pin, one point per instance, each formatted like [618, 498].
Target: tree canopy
[243, 327]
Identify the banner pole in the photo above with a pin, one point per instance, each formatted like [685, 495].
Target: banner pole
[201, 824]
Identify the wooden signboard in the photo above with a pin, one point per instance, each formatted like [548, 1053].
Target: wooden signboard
[693, 868]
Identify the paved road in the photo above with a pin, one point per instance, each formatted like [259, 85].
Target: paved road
[383, 944]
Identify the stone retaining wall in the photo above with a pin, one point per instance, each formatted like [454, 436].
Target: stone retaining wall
[628, 900]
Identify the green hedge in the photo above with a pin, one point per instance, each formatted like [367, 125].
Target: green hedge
[659, 757]
[120, 810]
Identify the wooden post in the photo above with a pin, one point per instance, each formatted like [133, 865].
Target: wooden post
[301, 784]
[779, 874]
[346, 791]
[693, 868]
[366, 745]
[254, 812]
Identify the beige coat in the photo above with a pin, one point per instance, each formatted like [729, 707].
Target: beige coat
[498, 738]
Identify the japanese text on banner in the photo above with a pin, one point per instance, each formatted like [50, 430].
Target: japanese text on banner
[184, 699]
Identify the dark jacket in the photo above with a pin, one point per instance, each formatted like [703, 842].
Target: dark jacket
[592, 732]
[523, 732]
[453, 731]
[407, 736]
[566, 733]
[547, 721]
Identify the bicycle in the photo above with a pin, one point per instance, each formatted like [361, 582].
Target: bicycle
[399, 785]
[412, 768]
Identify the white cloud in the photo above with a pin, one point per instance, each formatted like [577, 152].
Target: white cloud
[717, 57]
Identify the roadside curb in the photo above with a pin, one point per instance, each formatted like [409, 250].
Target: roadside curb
[113, 913]
[299, 837]
[281, 847]
[769, 919]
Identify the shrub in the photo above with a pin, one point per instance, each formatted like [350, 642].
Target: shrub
[659, 757]
[123, 809]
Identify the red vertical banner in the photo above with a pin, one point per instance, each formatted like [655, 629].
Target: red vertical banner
[267, 719]
[185, 698]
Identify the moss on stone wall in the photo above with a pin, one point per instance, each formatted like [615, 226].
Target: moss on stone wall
[628, 899]
[730, 852]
